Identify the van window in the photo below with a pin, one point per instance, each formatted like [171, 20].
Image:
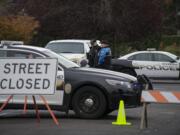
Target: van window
[66, 47]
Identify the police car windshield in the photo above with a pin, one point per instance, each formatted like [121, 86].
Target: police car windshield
[173, 56]
[62, 60]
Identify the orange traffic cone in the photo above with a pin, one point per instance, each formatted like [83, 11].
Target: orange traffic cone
[121, 118]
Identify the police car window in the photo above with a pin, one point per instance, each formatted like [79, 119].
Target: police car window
[22, 54]
[141, 57]
[3, 53]
[162, 57]
[19, 54]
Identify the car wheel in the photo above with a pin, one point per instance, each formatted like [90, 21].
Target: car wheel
[89, 102]
[129, 71]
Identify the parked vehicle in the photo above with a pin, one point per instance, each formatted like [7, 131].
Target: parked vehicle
[74, 50]
[93, 93]
[152, 63]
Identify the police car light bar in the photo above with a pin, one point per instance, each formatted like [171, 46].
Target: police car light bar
[151, 49]
[7, 42]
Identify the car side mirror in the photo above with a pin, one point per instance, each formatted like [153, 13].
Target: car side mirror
[177, 58]
[172, 61]
[83, 63]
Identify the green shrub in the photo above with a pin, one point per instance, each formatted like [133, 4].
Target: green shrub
[166, 43]
[173, 49]
[169, 40]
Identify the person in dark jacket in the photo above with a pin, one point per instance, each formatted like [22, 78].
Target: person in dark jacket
[104, 55]
[93, 54]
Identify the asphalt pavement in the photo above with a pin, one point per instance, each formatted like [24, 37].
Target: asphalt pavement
[165, 81]
[163, 119]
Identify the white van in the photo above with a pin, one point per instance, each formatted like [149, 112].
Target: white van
[73, 49]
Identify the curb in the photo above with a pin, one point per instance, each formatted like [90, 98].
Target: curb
[166, 81]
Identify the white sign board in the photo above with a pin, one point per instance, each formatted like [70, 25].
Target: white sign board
[28, 76]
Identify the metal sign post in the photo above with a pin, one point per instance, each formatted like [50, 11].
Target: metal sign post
[144, 121]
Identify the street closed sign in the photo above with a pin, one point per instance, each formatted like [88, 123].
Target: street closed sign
[28, 76]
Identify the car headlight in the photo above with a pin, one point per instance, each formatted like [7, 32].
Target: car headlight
[119, 83]
[137, 86]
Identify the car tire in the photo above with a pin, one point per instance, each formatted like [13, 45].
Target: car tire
[89, 102]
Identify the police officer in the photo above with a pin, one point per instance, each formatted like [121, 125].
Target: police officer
[104, 55]
[93, 54]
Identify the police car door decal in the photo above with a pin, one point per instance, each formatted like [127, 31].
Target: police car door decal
[157, 69]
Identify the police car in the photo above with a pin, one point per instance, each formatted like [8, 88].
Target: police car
[154, 64]
[90, 92]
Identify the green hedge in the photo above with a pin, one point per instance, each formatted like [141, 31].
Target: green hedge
[169, 40]
[166, 43]
[171, 44]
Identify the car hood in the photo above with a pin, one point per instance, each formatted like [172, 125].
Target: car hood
[108, 73]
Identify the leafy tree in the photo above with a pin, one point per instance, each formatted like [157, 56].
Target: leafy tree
[136, 21]
[17, 28]
[169, 22]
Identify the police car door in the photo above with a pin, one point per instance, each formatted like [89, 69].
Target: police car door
[143, 64]
[57, 98]
[155, 65]
[165, 66]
